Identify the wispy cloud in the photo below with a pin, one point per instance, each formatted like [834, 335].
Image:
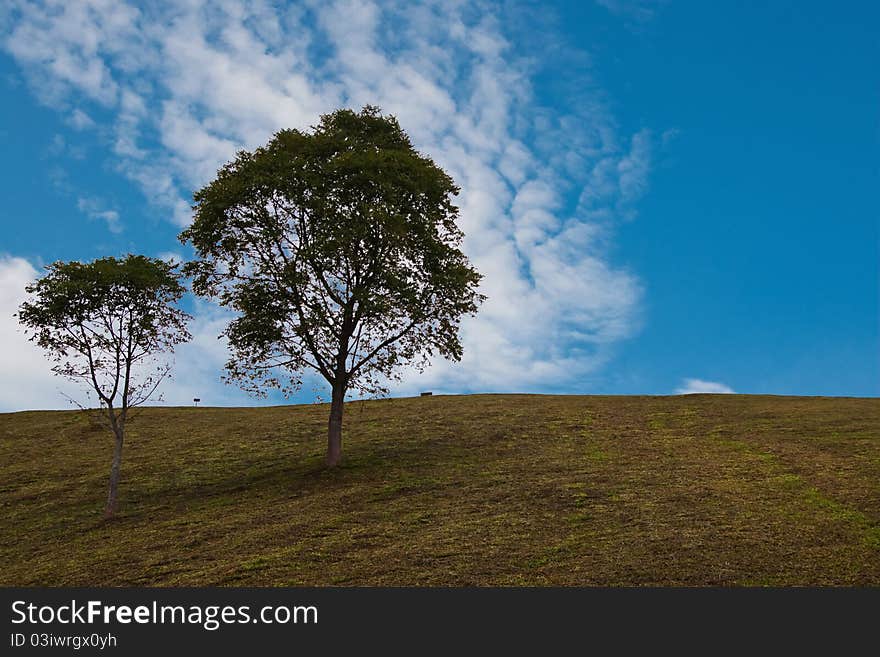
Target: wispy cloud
[94, 208]
[79, 120]
[541, 189]
[640, 11]
[697, 386]
[61, 147]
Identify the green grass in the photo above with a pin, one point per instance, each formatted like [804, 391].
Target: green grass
[471, 490]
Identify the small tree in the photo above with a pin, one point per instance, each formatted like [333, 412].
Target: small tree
[106, 324]
[339, 250]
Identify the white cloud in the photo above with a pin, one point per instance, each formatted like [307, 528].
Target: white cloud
[79, 120]
[541, 188]
[171, 257]
[60, 147]
[698, 386]
[96, 209]
[640, 11]
[27, 381]
[197, 365]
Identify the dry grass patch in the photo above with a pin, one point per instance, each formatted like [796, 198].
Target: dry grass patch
[471, 490]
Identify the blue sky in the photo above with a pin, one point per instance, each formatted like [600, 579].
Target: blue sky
[664, 196]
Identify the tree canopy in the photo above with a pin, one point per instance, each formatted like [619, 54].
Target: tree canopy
[338, 248]
[107, 324]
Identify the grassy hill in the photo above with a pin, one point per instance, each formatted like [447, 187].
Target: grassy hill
[471, 490]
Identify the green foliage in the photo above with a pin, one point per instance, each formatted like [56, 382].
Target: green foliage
[338, 248]
[105, 322]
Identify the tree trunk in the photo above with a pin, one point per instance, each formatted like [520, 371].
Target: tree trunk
[112, 503]
[334, 431]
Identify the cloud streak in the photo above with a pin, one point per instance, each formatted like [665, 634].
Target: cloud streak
[187, 84]
[699, 386]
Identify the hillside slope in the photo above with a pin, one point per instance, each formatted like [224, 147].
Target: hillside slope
[471, 490]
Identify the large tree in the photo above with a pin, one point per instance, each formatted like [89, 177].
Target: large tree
[338, 249]
[108, 324]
